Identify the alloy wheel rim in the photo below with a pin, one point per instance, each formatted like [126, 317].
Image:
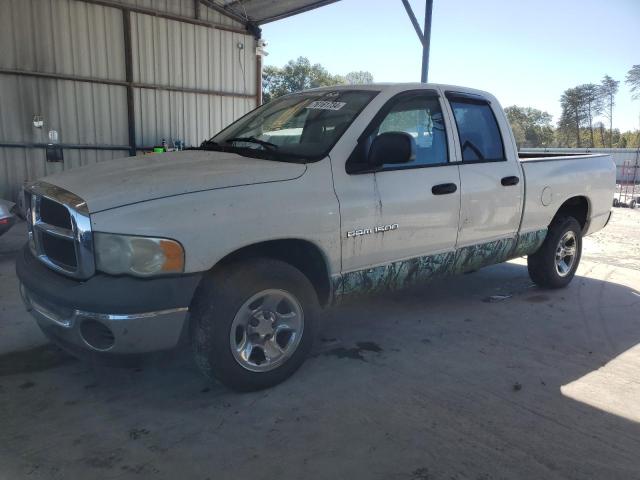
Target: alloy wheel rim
[266, 330]
[566, 253]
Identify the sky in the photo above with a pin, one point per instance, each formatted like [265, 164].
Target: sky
[525, 52]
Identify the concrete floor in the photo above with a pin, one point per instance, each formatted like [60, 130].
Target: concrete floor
[439, 382]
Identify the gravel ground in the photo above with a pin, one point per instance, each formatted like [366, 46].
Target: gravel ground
[439, 382]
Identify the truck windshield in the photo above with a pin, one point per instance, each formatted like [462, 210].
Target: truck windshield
[298, 127]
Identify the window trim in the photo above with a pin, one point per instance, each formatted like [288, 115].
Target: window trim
[377, 121]
[474, 99]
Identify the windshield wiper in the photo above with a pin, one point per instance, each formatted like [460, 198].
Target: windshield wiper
[208, 145]
[266, 145]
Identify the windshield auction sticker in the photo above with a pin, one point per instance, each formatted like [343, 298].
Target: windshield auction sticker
[324, 105]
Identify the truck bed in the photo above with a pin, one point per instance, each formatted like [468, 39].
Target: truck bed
[550, 178]
[544, 156]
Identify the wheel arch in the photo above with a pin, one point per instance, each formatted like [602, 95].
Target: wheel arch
[577, 207]
[304, 255]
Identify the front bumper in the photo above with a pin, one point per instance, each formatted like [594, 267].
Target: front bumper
[106, 314]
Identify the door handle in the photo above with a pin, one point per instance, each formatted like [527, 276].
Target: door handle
[444, 188]
[508, 181]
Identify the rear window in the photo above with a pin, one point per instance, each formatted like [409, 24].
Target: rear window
[480, 138]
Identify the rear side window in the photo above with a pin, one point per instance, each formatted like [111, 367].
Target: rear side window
[480, 138]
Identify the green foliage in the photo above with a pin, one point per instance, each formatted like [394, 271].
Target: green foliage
[592, 104]
[296, 75]
[578, 125]
[531, 127]
[358, 78]
[633, 80]
[300, 74]
[608, 91]
[573, 115]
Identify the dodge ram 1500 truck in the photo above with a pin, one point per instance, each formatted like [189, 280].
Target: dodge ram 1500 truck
[312, 198]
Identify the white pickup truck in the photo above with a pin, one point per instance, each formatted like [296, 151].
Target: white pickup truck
[309, 199]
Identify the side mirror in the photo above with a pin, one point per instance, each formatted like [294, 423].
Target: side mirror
[392, 147]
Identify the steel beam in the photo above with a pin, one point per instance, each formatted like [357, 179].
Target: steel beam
[414, 21]
[258, 80]
[121, 83]
[424, 35]
[224, 11]
[169, 16]
[72, 146]
[426, 43]
[318, 4]
[128, 68]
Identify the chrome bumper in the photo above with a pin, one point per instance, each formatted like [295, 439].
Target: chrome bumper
[105, 332]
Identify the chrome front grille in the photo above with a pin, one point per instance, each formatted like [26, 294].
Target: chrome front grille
[59, 230]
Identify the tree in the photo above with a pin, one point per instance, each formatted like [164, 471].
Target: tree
[358, 78]
[573, 114]
[600, 129]
[300, 74]
[633, 80]
[271, 83]
[296, 75]
[608, 90]
[531, 127]
[591, 100]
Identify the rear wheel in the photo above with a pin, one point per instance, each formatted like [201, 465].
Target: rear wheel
[555, 263]
[253, 323]
[616, 202]
[632, 204]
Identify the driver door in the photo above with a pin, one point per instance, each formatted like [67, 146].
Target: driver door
[401, 211]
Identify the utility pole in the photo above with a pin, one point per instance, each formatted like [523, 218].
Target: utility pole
[423, 35]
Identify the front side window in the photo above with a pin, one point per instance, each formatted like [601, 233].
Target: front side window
[302, 126]
[421, 117]
[478, 130]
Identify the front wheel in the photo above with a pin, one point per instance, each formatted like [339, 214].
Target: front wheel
[252, 323]
[556, 261]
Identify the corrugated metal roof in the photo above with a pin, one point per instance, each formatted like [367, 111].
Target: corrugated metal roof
[265, 11]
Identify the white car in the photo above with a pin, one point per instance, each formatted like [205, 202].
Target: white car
[237, 245]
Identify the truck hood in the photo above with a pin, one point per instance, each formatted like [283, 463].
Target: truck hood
[115, 183]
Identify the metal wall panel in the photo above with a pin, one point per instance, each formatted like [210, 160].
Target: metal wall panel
[62, 36]
[189, 117]
[81, 113]
[73, 37]
[185, 8]
[176, 54]
[167, 52]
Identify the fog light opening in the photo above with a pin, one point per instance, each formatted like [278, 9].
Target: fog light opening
[97, 335]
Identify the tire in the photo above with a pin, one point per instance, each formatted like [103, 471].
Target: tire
[233, 335]
[632, 204]
[544, 268]
[616, 202]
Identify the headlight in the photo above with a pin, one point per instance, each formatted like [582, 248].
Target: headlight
[139, 256]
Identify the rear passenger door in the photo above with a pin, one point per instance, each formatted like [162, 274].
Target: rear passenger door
[491, 185]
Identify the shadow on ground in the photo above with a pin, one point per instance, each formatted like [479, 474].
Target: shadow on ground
[456, 379]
